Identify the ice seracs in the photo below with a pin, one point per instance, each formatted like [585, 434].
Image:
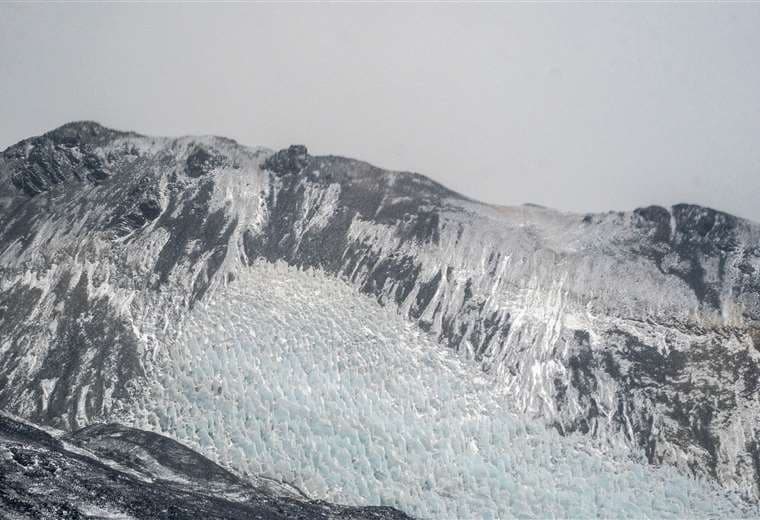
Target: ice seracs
[286, 369]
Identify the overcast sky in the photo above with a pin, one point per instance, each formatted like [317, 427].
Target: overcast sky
[580, 107]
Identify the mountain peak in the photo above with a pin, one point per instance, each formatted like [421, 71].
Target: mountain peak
[66, 153]
[77, 132]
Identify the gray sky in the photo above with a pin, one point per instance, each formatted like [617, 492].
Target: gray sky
[580, 107]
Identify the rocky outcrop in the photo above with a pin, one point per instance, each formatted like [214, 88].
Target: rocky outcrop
[288, 162]
[108, 471]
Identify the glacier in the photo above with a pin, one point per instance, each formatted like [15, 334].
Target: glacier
[286, 373]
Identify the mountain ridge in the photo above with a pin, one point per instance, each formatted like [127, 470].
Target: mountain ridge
[640, 327]
[76, 130]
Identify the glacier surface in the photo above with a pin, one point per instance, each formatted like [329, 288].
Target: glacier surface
[287, 374]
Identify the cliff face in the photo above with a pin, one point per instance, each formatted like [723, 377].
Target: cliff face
[640, 328]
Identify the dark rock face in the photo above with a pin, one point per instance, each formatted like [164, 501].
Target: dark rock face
[656, 220]
[405, 202]
[137, 449]
[288, 162]
[83, 322]
[641, 326]
[138, 474]
[200, 162]
[63, 155]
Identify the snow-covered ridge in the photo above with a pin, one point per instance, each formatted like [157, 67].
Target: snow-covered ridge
[640, 327]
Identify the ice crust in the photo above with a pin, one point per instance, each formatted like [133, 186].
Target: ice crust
[291, 375]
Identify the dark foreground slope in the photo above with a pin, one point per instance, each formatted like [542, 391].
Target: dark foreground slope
[639, 327]
[109, 471]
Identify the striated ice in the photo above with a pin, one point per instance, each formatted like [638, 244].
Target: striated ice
[290, 375]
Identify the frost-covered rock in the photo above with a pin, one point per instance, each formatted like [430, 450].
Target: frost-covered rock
[639, 329]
